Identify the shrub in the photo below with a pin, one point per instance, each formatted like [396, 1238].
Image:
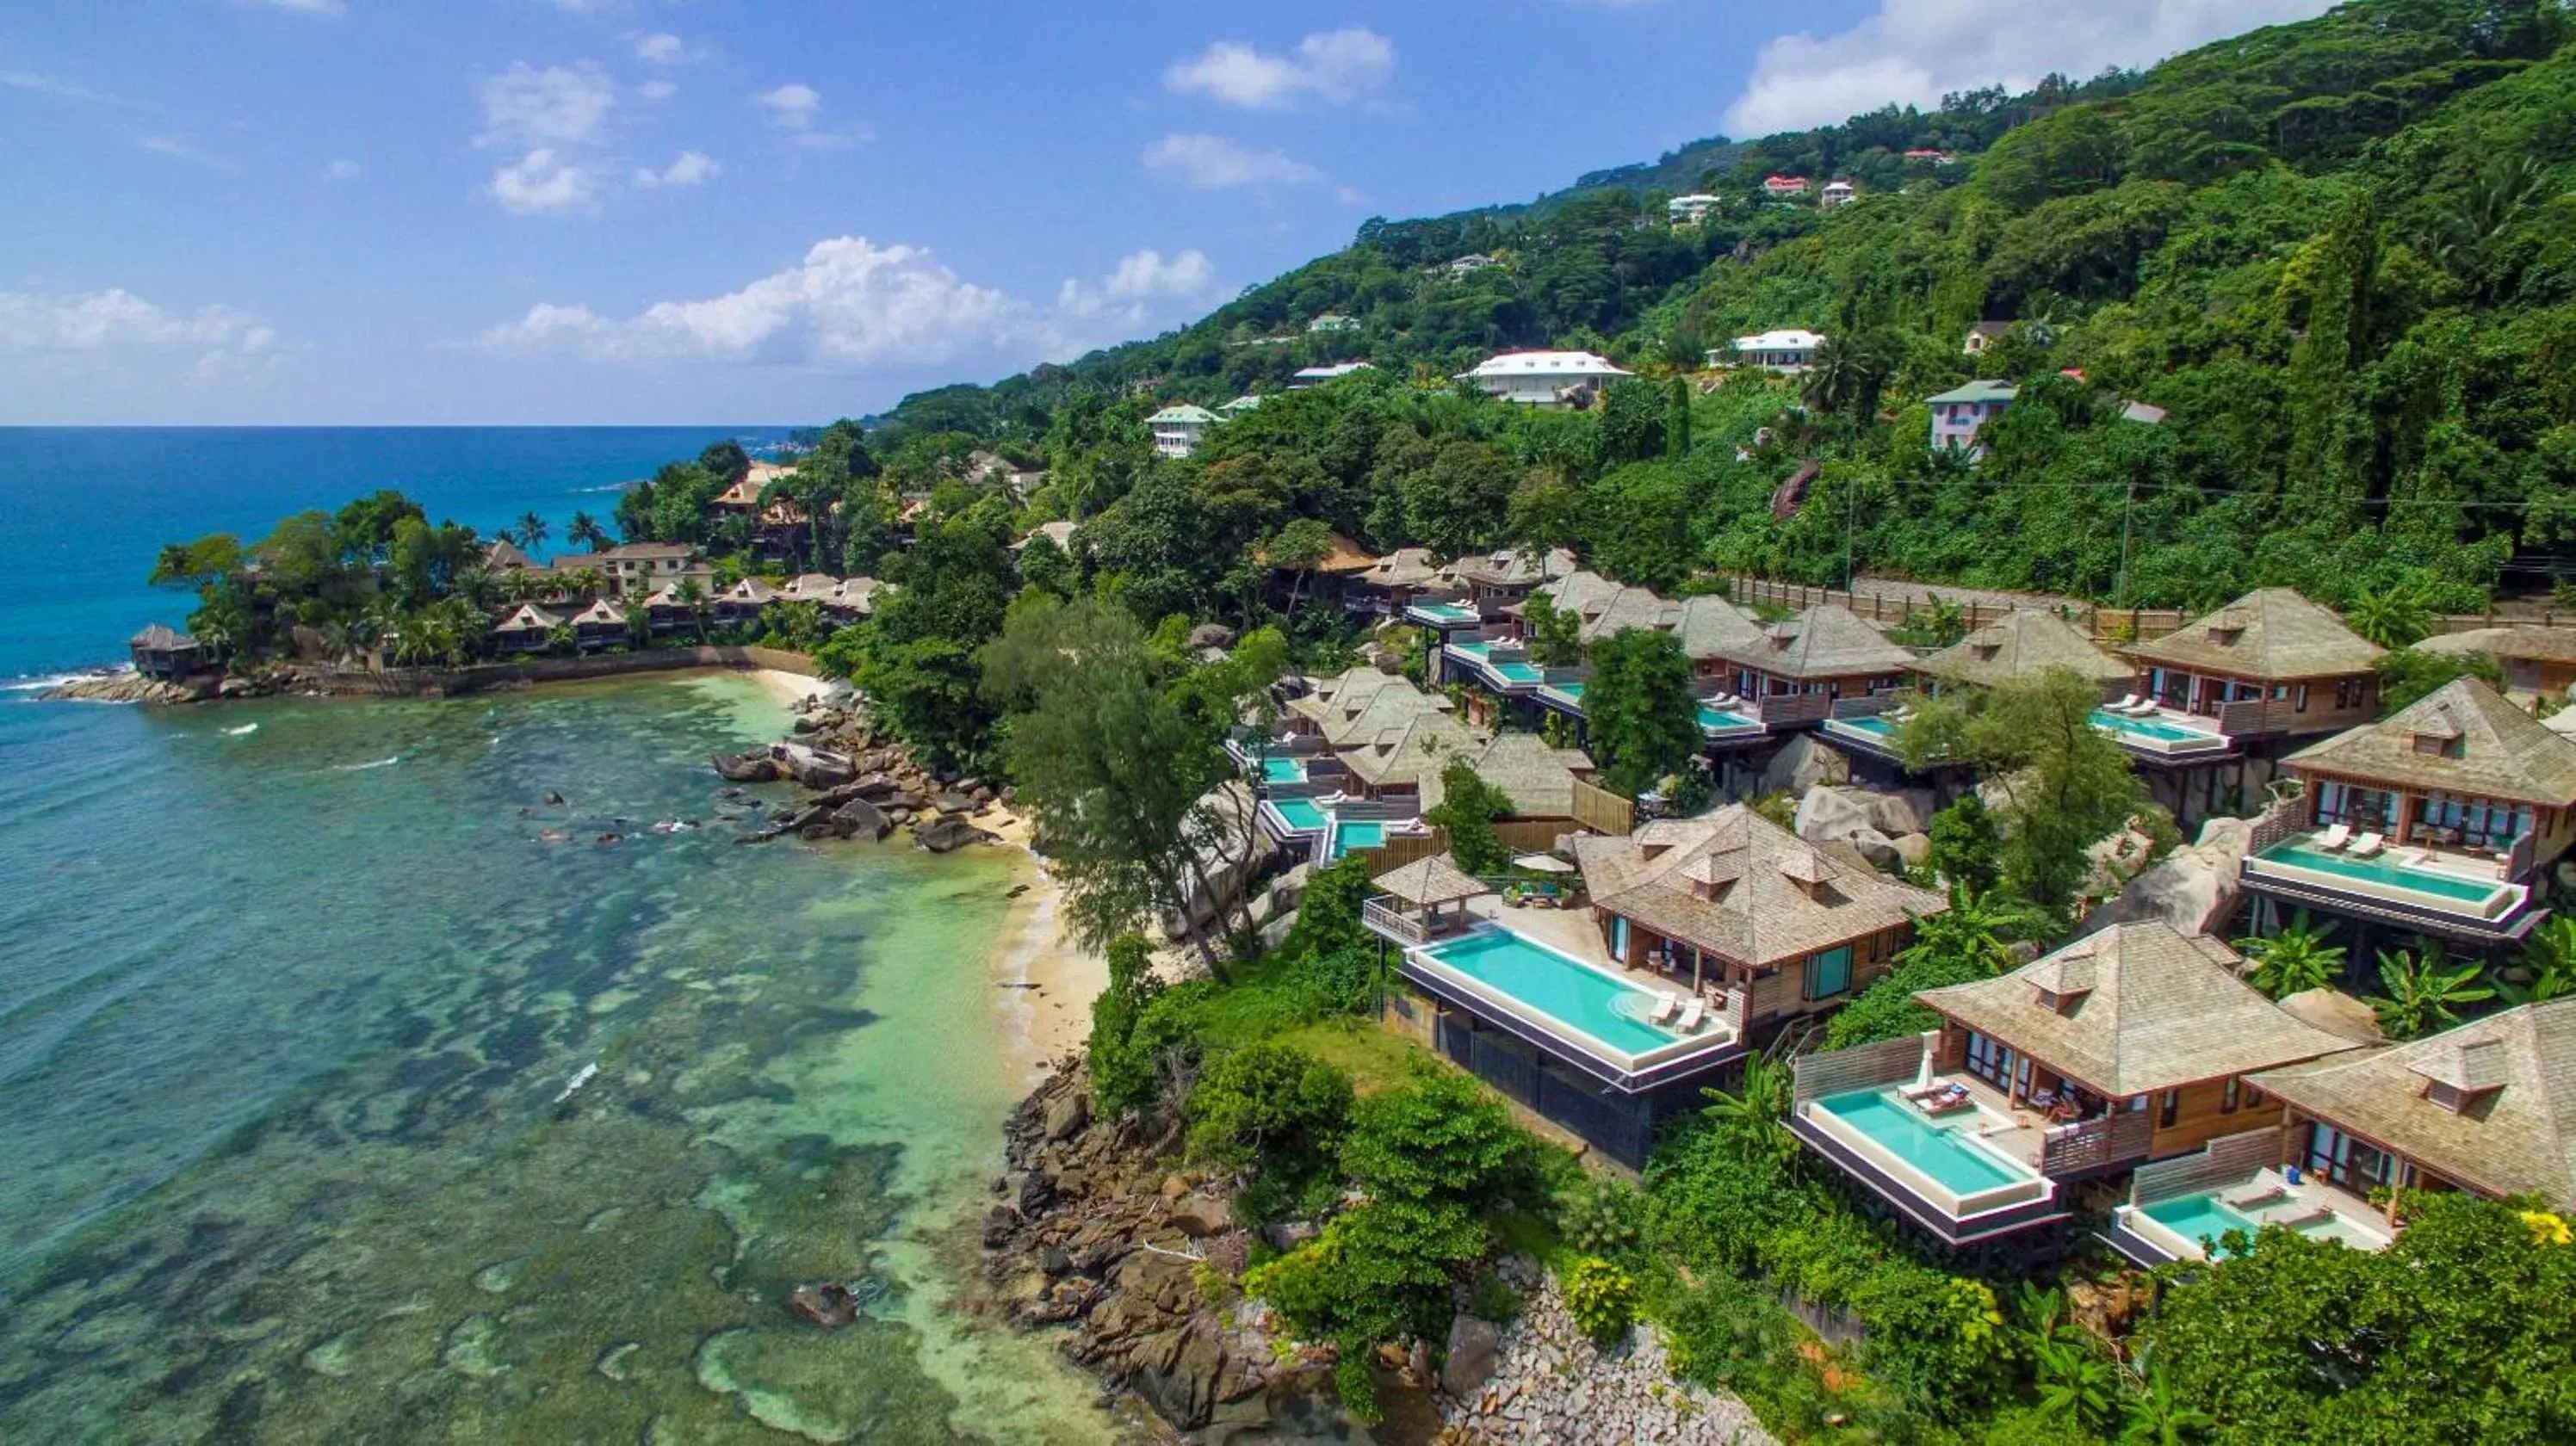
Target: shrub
[1599, 1217]
[1269, 1105]
[1601, 1298]
[1376, 1274]
[1441, 1139]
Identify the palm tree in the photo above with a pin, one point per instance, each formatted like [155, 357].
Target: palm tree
[1976, 927]
[531, 532]
[2154, 1415]
[2077, 1384]
[1752, 1118]
[1833, 378]
[2464, 240]
[2293, 961]
[694, 598]
[588, 581]
[2394, 616]
[2422, 997]
[585, 532]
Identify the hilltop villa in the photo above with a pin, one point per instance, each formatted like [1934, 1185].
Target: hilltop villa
[1959, 413]
[1690, 210]
[1787, 352]
[1838, 194]
[1178, 428]
[1783, 187]
[163, 652]
[1543, 378]
[2442, 819]
[1317, 376]
[2123, 1047]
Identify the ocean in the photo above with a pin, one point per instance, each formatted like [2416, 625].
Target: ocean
[351, 1090]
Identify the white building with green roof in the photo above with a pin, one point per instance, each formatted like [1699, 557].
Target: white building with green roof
[1178, 428]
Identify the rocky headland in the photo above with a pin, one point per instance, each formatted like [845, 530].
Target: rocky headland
[862, 785]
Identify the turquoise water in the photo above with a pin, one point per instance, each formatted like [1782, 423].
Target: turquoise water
[1356, 834]
[2382, 869]
[2150, 728]
[2202, 1218]
[1445, 612]
[1569, 692]
[1516, 673]
[1871, 724]
[288, 1018]
[1585, 999]
[1716, 719]
[1282, 770]
[1960, 1167]
[1301, 814]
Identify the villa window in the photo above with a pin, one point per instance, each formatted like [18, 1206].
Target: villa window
[2227, 1097]
[2299, 699]
[1829, 973]
[1989, 1061]
[2336, 1156]
[2168, 1109]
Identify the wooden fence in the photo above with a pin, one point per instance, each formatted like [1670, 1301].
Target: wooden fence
[1521, 836]
[2108, 625]
[2222, 1161]
[1602, 811]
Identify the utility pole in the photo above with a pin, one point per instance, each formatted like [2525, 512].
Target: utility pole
[1851, 509]
[2120, 591]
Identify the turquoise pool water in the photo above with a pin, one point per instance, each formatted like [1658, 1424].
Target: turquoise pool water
[1873, 724]
[1356, 834]
[1283, 770]
[1444, 612]
[2382, 870]
[1582, 998]
[1572, 692]
[1897, 1127]
[1482, 654]
[1301, 814]
[1713, 720]
[2148, 728]
[2203, 1218]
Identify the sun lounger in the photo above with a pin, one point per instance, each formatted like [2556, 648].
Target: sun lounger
[2367, 845]
[1666, 1007]
[2303, 1219]
[2127, 702]
[2140, 708]
[1692, 1014]
[1944, 1104]
[2333, 839]
[2255, 1197]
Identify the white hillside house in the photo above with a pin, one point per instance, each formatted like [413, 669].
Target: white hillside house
[1542, 378]
[1837, 194]
[1787, 352]
[1177, 429]
[1689, 210]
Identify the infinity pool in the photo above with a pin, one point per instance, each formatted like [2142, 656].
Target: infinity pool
[1939, 1152]
[1357, 834]
[2152, 729]
[1482, 655]
[1282, 770]
[1718, 720]
[1301, 814]
[1581, 998]
[2382, 869]
[2199, 1218]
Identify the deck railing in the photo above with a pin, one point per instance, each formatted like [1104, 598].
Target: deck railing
[1840, 1071]
[1387, 919]
[2222, 1161]
[2067, 1149]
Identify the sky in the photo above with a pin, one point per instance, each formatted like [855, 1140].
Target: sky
[685, 211]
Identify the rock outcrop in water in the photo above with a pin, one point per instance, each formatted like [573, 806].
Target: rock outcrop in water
[132, 688]
[866, 786]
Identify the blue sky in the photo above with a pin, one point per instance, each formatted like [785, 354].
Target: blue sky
[632, 211]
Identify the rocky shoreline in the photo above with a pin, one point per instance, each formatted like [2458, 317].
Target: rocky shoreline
[864, 785]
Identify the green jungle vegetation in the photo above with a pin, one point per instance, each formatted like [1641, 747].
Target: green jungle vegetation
[2340, 255]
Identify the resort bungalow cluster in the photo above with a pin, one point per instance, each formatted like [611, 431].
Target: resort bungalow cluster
[636, 593]
[2130, 1084]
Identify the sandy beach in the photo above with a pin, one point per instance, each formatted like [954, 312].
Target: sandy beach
[1043, 982]
[790, 689]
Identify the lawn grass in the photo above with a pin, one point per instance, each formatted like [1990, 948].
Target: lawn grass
[1375, 1058]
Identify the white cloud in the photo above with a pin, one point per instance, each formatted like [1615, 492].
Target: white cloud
[304, 7]
[175, 148]
[792, 106]
[342, 170]
[852, 303]
[1141, 278]
[544, 183]
[1917, 50]
[1214, 162]
[559, 105]
[657, 90]
[691, 168]
[117, 324]
[1335, 67]
[588, 9]
[664, 49]
[795, 108]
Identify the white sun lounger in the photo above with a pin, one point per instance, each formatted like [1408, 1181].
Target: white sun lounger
[2127, 702]
[2333, 839]
[1666, 1006]
[2367, 845]
[2140, 708]
[1692, 1013]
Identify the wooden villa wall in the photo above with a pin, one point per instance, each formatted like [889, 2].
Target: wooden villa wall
[2199, 1119]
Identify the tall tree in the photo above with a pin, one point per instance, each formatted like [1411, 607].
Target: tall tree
[1641, 717]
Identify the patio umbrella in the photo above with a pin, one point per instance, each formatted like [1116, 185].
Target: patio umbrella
[1543, 864]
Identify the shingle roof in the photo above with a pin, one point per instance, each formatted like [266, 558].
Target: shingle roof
[2271, 634]
[601, 613]
[2023, 643]
[2538, 644]
[2503, 751]
[1435, 880]
[1404, 567]
[1710, 627]
[1825, 641]
[161, 638]
[1367, 708]
[528, 616]
[1185, 414]
[1539, 778]
[2151, 1009]
[751, 590]
[1514, 566]
[504, 556]
[1730, 882]
[2521, 1141]
[1404, 749]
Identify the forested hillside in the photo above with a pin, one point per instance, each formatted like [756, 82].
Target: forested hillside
[2341, 254]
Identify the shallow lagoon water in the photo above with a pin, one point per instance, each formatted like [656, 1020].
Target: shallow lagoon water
[288, 1021]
